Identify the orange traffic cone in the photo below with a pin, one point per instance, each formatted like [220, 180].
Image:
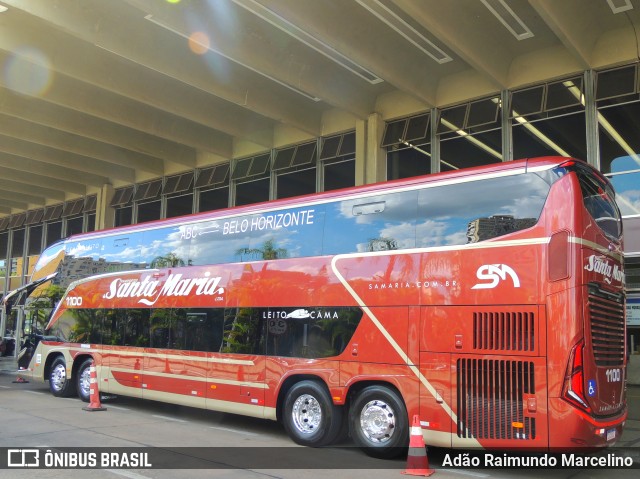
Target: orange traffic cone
[417, 461]
[20, 379]
[94, 394]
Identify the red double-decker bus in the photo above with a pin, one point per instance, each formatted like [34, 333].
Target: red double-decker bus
[488, 301]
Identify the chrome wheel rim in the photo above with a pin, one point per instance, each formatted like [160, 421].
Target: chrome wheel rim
[306, 414]
[58, 377]
[378, 421]
[85, 382]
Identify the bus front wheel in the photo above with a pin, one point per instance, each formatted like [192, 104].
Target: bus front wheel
[379, 423]
[309, 416]
[59, 385]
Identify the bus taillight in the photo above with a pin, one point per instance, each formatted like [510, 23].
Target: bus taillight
[574, 379]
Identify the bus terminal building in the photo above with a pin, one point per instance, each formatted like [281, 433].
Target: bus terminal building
[123, 112]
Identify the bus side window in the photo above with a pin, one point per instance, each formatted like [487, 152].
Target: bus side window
[160, 328]
[136, 328]
[178, 330]
[204, 329]
[244, 331]
[377, 223]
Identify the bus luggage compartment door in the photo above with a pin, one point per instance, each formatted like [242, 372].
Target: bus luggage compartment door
[435, 398]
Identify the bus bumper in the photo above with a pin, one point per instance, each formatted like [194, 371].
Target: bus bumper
[572, 429]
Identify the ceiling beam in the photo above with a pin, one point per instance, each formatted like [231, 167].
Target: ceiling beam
[59, 170]
[572, 24]
[58, 158]
[465, 35]
[166, 134]
[18, 205]
[127, 79]
[389, 57]
[58, 116]
[41, 180]
[14, 186]
[282, 58]
[125, 32]
[21, 163]
[59, 140]
[24, 197]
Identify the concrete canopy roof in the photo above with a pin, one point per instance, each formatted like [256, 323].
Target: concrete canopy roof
[95, 92]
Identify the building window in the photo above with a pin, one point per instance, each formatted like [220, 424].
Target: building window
[212, 186]
[295, 168]
[618, 110]
[123, 205]
[148, 211]
[148, 206]
[470, 134]
[296, 183]
[17, 258]
[549, 119]
[4, 244]
[408, 144]
[74, 225]
[54, 232]
[252, 192]
[339, 173]
[34, 246]
[338, 161]
[252, 179]
[214, 199]
[123, 216]
[178, 190]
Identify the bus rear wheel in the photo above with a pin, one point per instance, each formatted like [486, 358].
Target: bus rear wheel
[379, 423]
[59, 385]
[83, 380]
[309, 416]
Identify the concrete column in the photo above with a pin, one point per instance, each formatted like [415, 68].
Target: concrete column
[376, 161]
[591, 119]
[507, 132]
[105, 214]
[361, 152]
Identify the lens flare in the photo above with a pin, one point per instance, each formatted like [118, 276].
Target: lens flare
[199, 43]
[28, 71]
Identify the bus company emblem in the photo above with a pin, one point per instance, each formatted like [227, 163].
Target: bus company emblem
[494, 273]
[149, 290]
[598, 264]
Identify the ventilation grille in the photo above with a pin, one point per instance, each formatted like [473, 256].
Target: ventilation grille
[491, 399]
[504, 331]
[607, 329]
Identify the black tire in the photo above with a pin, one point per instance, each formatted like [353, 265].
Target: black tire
[379, 424]
[309, 416]
[83, 383]
[59, 385]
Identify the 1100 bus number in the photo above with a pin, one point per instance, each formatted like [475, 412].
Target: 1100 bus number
[74, 300]
[613, 375]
